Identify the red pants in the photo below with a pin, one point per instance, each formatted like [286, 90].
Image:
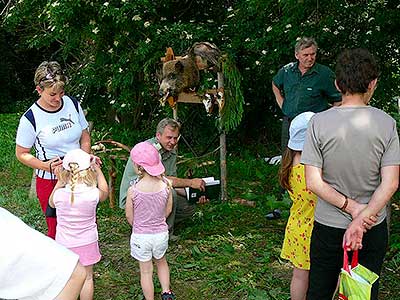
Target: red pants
[44, 187]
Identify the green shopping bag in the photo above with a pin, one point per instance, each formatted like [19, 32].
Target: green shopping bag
[355, 280]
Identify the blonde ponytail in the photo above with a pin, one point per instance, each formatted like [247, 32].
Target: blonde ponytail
[74, 178]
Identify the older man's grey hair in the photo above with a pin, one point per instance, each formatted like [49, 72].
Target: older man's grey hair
[305, 42]
[167, 122]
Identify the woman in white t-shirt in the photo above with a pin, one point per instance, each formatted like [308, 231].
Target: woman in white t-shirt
[53, 125]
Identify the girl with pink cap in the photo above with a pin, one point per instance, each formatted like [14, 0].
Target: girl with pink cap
[148, 204]
[80, 187]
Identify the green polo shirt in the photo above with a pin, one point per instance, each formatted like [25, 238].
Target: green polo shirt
[168, 159]
[309, 92]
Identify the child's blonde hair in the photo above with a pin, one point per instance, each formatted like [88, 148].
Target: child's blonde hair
[142, 171]
[74, 176]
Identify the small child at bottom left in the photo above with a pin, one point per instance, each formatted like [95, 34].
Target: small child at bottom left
[80, 186]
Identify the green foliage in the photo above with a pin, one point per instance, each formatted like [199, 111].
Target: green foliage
[11, 169]
[112, 49]
[232, 111]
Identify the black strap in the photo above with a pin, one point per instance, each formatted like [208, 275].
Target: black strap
[75, 102]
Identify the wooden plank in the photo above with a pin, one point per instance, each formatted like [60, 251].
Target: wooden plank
[189, 98]
[193, 97]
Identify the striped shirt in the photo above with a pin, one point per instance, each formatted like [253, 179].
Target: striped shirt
[149, 211]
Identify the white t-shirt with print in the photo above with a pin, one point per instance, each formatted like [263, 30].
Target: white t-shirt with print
[52, 133]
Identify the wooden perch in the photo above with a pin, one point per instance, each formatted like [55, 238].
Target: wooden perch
[193, 97]
[112, 175]
[118, 144]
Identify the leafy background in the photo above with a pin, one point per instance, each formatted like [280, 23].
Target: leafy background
[112, 51]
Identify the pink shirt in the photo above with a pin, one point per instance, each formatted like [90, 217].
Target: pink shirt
[76, 222]
[149, 211]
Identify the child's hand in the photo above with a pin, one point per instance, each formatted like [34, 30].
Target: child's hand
[95, 166]
[95, 159]
[57, 170]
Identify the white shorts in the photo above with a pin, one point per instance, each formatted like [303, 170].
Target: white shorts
[146, 246]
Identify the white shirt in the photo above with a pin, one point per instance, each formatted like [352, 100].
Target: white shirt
[52, 133]
[32, 265]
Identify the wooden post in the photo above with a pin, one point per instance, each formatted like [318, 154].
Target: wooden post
[175, 112]
[112, 174]
[222, 144]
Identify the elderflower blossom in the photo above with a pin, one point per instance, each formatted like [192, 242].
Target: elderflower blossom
[96, 30]
[269, 28]
[146, 24]
[136, 18]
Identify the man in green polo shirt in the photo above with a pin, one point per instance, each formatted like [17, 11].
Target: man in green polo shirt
[303, 86]
[165, 141]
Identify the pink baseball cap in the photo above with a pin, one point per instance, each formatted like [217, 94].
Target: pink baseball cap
[77, 156]
[146, 155]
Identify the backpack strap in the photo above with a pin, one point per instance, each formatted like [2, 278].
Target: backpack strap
[75, 102]
[31, 118]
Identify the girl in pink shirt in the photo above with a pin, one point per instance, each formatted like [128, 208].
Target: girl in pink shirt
[80, 187]
[148, 203]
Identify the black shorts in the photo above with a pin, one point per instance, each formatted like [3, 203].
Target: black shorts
[326, 255]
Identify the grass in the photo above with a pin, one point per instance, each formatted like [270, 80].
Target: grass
[225, 251]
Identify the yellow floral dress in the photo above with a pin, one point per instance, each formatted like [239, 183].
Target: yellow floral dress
[296, 245]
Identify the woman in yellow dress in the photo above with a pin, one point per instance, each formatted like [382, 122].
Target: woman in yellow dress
[296, 245]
